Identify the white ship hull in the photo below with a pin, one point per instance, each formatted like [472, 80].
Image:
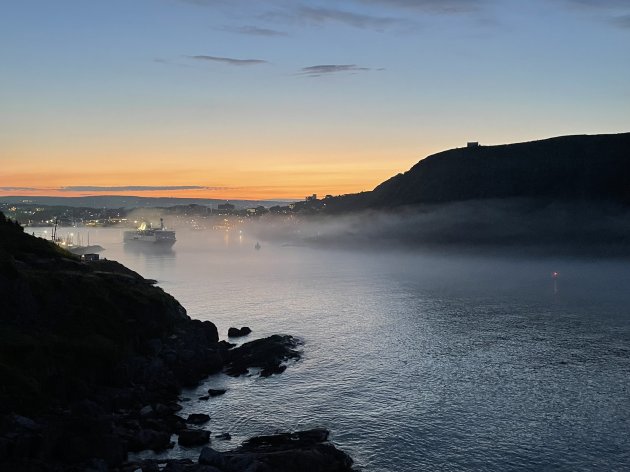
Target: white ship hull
[148, 236]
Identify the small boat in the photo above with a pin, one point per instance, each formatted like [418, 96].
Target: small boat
[257, 246]
[75, 247]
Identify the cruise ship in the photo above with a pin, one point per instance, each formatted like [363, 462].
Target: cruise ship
[147, 235]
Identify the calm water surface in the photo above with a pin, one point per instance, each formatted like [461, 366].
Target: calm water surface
[415, 362]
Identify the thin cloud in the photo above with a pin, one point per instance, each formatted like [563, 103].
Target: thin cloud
[255, 31]
[357, 20]
[325, 69]
[598, 4]
[230, 60]
[622, 21]
[134, 188]
[432, 6]
[20, 189]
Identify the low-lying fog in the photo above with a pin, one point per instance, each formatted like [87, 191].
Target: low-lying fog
[415, 355]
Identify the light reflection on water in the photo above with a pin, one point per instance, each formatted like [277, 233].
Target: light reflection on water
[415, 361]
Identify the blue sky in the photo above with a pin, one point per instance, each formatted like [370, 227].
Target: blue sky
[282, 98]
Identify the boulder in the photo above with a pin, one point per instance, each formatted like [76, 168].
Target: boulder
[215, 392]
[235, 332]
[193, 437]
[197, 418]
[268, 354]
[150, 439]
[306, 451]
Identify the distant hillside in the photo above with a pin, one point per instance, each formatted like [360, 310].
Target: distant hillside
[115, 201]
[585, 167]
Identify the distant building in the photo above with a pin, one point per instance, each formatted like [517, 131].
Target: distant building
[311, 198]
[226, 207]
[472, 144]
[90, 257]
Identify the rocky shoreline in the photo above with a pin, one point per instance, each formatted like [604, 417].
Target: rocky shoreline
[93, 358]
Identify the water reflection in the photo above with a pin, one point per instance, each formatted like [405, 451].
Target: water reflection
[149, 250]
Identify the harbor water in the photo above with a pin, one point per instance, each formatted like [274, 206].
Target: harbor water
[414, 361]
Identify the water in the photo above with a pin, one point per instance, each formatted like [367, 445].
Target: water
[415, 362]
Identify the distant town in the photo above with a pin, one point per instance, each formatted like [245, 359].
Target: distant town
[197, 216]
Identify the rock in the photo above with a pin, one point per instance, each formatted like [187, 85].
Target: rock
[211, 457]
[96, 465]
[273, 369]
[311, 436]
[150, 439]
[193, 437]
[266, 353]
[174, 407]
[215, 392]
[197, 418]
[179, 465]
[306, 451]
[235, 332]
[175, 423]
[224, 345]
[204, 397]
[224, 436]
[146, 411]
[24, 423]
[162, 410]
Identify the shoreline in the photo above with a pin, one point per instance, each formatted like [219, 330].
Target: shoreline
[95, 359]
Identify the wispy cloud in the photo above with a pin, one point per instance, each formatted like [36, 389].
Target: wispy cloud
[432, 6]
[599, 4]
[622, 21]
[19, 189]
[133, 188]
[255, 31]
[230, 60]
[614, 12]
[325, 69]
[357, 20]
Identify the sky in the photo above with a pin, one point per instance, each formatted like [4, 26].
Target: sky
[275, 99]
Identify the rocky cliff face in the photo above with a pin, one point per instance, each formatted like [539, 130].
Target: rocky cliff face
[67, 326]
[93, 356]
[83, 347]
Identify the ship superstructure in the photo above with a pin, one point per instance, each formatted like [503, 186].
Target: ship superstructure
[146, 234]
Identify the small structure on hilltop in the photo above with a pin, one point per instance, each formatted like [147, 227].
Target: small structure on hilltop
[89, 257]
[472, 144]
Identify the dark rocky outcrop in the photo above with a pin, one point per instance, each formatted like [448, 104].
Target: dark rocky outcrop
[267, 354]
[306, 451]
[236, 332]
[215, 392]
[197, 418]
[193, 437]
[93, 357]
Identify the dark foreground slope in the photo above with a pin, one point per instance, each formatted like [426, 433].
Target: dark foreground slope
[585, 167]
[92, 358]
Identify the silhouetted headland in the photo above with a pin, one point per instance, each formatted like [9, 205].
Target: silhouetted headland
[593, 167]
[564, 195]
[93, 357]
